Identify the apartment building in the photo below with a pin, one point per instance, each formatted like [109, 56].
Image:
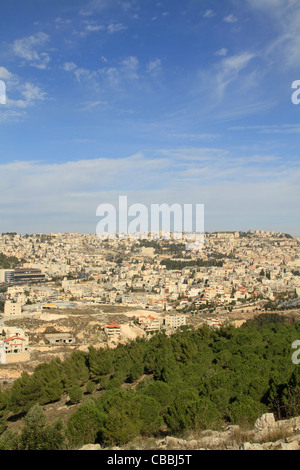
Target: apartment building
[149, 323]
[113, 331]
[14, 346]
[12, 309]
[174, 320]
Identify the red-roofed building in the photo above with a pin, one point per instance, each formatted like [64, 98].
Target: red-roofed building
[113, 330]
[15, 345]
[149, 323]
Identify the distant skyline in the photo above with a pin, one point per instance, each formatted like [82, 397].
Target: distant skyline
[186, 102]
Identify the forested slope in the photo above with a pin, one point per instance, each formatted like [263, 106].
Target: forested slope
[193, 380]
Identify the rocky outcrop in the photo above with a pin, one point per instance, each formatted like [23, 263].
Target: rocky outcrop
[267, 434]
[287, 433]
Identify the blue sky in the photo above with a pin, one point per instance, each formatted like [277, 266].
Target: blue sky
[166, 102]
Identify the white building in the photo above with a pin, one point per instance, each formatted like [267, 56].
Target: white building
[149, 323]
[6, 275]
[12, 309]
[175, 320]
[15, 346]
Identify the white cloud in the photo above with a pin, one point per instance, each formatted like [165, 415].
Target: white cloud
[207, 137]
[130, 67]
[27, 49]
[208, 14]
[222, 52]
[82, 176]
[84, 74]
[230, 18]
[115, 27]
[44, 61]
[62, 21]
[230, 69]
[94, 27]
[32, 93]
[154, 66]
[236, 189]
[19, 96]
[271, 129]
[237, 62]
[11, 115]
[114, 76]
[6, 75]
[69, 66]
[87, 106]
[285, 15]
[93, 6]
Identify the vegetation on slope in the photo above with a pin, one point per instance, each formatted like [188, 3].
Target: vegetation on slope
[193, 380]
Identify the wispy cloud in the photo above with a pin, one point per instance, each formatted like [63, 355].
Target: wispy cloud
[222, 52]
[285, 47]
[115, 27]
[208, 14]
[117, 75]
[271, 129]
[129, 67]
[92, 6]
[229, 185]
[90, 26]
[189, 136]
[229, 70]
[9, 78]
[94, 27]
[32, 93]
[230, 18]
[29, 49]
[69, 66]
[154, 67]
[60, 22]
[19, 96]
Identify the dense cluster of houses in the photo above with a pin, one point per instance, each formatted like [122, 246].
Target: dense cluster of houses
[79, 269]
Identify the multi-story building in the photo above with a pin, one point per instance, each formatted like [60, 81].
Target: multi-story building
[175, 320]
[7, 276]
[13, 276]
[14, 346]
[12, 309]
[28, 274]
[113, 331]
[149, 323]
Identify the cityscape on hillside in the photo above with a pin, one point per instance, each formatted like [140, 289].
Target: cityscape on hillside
[66, 291]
